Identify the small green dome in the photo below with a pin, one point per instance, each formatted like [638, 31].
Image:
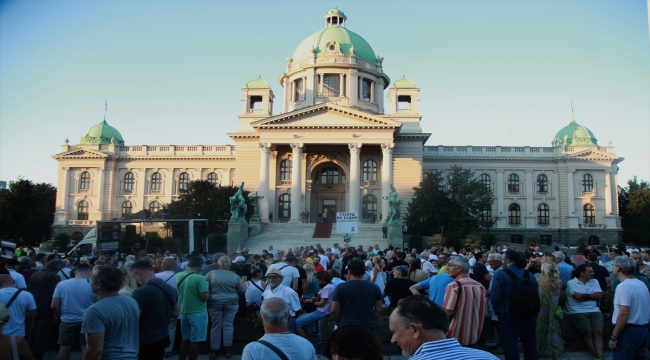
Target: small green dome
[316, 43]
[102, 134]
[575, 134]
[404, 83]
[257, 84]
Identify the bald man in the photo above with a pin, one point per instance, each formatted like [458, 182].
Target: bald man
[22, 306]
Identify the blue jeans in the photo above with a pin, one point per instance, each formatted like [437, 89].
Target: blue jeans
[631, 343]
[512, 329]
[307, 319]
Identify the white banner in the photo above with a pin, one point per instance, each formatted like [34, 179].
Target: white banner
[344, 227]
[347, 216]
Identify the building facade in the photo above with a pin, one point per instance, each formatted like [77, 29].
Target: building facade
[337, 147]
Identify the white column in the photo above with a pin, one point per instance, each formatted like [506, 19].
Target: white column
[320, 85]
[386, 176]
[265, 152]
[608, 193]
[501, 223]
[296, 182]
[530, 211]
[100, 192]
[355, 179]
[66, 190]
[572, 198]
[340, 85]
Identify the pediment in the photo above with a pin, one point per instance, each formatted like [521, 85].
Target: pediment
[80, 154]
[592, 154]
[326, 116]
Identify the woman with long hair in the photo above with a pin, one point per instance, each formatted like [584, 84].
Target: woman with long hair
[549, 331]
[128, 281]
[415, 270]
[378, 276]
[312, 283]
[224, 287]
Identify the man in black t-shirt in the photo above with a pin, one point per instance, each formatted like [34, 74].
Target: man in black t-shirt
[481, 273]
[590, 250]
[600, 272]
[398, 288]
[346, 258]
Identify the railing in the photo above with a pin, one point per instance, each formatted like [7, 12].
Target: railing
[285, 182]
[507, 151]
[80, 222]
[145, 150]
[370, 183]
[591, 226]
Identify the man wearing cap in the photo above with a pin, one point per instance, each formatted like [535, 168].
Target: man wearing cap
[289, 272]
[275, 288]
[244, 267]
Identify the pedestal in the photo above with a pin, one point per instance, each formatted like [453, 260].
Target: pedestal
[237, 234]
[256, 226]
[395, 236]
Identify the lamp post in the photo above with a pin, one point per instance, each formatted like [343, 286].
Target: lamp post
[442, 233]
[255, 198]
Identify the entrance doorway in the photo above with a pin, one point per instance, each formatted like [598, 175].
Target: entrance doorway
[330, 205]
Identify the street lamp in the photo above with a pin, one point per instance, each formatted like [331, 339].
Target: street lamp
[442, 233]
[255, 198]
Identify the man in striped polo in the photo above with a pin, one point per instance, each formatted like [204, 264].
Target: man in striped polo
[465, 303]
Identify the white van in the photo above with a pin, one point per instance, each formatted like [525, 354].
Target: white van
[85, 246]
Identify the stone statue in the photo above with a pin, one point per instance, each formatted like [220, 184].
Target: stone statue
[394, 207]
[238, 206]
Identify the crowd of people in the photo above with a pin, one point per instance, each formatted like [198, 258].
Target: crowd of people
[439, 301]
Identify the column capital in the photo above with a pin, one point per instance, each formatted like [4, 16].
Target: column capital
[528, 171]
[265, 148]
[297, 147]
[500, 171]
[274, 155]
[387, 148]
[354, 148]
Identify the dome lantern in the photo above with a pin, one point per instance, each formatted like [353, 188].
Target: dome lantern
[335, 17]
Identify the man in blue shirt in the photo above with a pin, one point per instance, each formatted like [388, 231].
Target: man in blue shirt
[565, 269]
[437, 285]
[511, 327]
[419, 327]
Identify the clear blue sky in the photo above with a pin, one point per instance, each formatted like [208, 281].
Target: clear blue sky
[490, 72]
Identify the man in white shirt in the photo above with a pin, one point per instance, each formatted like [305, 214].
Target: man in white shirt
[23, 306]
[13, 265]
[275, 288]
[335, 250]
[631, 313]
[583, 292]
[289, 272]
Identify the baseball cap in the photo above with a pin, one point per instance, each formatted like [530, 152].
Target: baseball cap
[240, 259]
[274, 272]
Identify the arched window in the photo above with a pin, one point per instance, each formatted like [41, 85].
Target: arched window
[329, 175]
[486, 216]
[513, 183]
[213, 178]
[127, 208]
[129, 181]
[84, 181]
[587, 183]
[284, 206]
[156, 181]
[588, 214]
[542, 183]
[183, 181]
[542, 214]
[369, 170]
[285, 169]
[514, 214]
[154, 206]
[485, 180]
[369, 207]
[82, 210]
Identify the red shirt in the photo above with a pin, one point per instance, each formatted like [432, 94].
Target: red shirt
[318, 268]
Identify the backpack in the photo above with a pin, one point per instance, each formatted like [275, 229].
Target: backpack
[524, 298]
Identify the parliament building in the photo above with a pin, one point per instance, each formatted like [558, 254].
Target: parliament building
[337, 145]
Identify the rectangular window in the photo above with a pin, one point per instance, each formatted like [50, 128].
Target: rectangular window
[516, 239]
[331, 85]
[546, 239]
[299, 90]
[366, 90]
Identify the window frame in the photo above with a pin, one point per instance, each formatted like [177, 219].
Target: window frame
[156, 181]
[486, 215]
[286, 168]
[154, 209]
[183, 181]
[127, 210]
[284, 206]
[367, 212]
[485, 179]
[543, 214]
[82, 210]
[129, 181]
[85, 181]
[331, 173]
[587, 183]
[331, 85]
[588, 214]
[369, 170]
[542, 183]
[215, 180]
[513, 183]
[514, 215]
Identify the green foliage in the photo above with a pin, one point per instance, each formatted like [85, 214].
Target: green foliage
[61, 242]
[582, 244]
[488, 239]
[454, 201]
[436, 240]
[416, 241]
[27, 211]
[472, 242]
[634, 208]
[533, 240]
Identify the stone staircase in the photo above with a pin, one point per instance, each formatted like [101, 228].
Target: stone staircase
[285, 235]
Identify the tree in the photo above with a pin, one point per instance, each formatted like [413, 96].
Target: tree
[203, 200]
[455, 201]
[27, 211]
[634, 208]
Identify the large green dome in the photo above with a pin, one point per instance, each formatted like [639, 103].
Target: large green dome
[102, 134]
[319, 41]
[575, 134]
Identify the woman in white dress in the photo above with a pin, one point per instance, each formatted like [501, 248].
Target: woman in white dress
[379, 277]
[254, 288]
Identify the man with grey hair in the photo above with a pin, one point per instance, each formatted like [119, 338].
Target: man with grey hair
[426, 265]
[275, 289]
[399, 287]
[631, 313]
[465, 303]
[274, 315]
[565, 269]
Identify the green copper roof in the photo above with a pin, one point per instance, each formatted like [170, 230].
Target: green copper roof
[335, 11]
[575, 134]
[404, 83]
[102, 134]
[257, 84]
[344, 37]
